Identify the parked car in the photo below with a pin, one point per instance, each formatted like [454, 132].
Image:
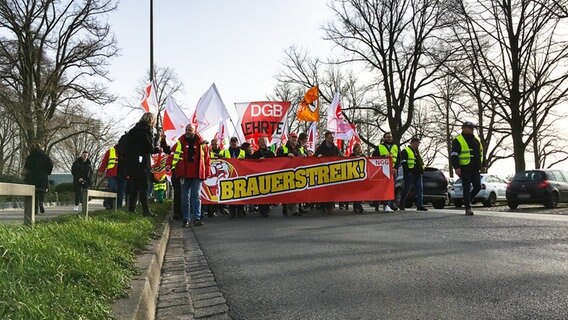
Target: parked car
[493, 189]
[548, 187]
[435, 188]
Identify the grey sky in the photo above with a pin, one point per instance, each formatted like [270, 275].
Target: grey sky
[237, 44]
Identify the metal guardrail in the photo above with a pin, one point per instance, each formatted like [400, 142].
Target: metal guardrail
[24, 190]
[87, 194]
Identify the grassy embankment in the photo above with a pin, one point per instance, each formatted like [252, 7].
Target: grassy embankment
[71, 268]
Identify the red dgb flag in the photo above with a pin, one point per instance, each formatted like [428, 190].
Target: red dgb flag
[263, 119]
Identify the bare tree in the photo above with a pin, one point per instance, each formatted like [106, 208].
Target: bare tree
[397, 41]
[54, 54]
[167, 82]
[549, 147]
[300, 72]
[520, 58]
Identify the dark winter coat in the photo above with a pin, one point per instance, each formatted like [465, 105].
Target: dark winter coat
[140, 148]
[37, 168]
[82, 169]
[327, 151]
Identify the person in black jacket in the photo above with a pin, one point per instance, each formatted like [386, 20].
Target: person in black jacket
[37, 169]
[263, 153]
[328, 149]
[138, 162]
[413, 168]
[467, 160]
[81, 171]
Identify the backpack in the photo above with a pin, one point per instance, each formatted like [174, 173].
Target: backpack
[123, 145]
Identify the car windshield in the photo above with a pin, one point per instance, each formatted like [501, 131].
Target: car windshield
[529, 176]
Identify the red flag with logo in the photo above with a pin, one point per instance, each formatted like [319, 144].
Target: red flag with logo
[263, 119]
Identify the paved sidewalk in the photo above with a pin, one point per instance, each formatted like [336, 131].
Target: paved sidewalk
[188, 289]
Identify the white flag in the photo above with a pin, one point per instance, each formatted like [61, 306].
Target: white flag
[175, 121]
[210, 110]
[312, 137]
[335, 121]
[149, 99]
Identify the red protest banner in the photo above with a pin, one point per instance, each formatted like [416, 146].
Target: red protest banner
[295, 180]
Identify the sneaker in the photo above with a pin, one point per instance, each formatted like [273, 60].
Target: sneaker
[388, 209]
[468, 212]
[186, 223]
[198, 223]
[76, 208]
[421, 209]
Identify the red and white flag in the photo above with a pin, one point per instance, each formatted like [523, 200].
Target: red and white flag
[221, 135]
[354, 139]
[312, 137]
[335, 121]
[175, 121]
[210, 110]
[263, 119]
[149, 99]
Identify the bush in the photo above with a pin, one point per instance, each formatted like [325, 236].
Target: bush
[11, 178]
[71, 268]
[64, 187]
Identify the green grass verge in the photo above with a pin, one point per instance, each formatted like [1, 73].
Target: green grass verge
[71, 268]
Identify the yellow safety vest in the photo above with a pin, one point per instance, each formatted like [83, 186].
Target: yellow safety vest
[411, 158]
[112, 159]
[227, 154]
[178, 150]
[384, 152]
[465, 151]
[159, 186]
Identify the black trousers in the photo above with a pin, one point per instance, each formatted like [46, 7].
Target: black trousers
[78, 188]
[138, 188]
[177, 197]
[470, 178]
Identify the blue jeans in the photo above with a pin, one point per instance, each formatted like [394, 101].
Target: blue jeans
[190, 202]
[413, 181]
[118, 185]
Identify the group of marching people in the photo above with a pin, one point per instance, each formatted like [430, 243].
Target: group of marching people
[189, 161]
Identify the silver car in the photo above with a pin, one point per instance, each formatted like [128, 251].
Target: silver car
[493, 189]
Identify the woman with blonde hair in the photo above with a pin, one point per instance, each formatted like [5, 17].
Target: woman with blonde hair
[138, 162]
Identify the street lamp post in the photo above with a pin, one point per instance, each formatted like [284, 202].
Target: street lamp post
[151, 40]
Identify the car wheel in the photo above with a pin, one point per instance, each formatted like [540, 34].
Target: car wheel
[491, 201]
[458, 203]
[512, 205]
[439, 204]
[552, 201]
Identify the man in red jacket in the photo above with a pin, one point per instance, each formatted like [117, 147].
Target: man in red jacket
[192, 165]
[116, 182]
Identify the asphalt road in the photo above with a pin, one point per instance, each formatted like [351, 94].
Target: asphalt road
[434, 265]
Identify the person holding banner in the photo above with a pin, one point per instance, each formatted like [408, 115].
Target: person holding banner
[328, 149]
[234, 152]
[387, 148]
[211, 209]
[413, 168]
[192, 165]
[263, 153]
[290, 149]
[303, 151]
[357, 152]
